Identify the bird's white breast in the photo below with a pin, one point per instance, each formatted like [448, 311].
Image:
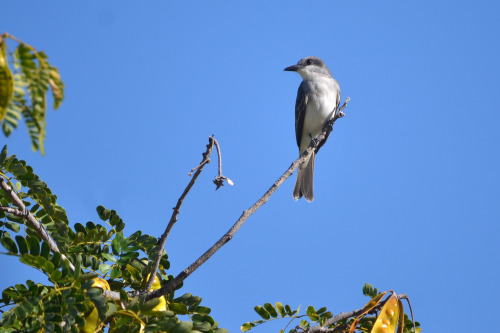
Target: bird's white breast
[321, 101]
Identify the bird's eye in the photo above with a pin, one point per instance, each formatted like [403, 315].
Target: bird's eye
[309, 61]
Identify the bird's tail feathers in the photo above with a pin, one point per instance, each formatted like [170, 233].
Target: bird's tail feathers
[304, 183]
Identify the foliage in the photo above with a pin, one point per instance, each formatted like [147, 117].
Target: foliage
[97, 251]
[386, 321]
[24, 85]
[269, 312]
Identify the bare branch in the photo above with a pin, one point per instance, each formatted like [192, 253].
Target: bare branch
[25, 213]
[219, 180]
[173, 218]
[403, 296]
[247, 213]
[14, 211]
[315, 143]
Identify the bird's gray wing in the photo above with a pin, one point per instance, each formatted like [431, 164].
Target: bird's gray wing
[300, 110]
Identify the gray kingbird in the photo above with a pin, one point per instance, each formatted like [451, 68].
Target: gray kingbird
[317, 99]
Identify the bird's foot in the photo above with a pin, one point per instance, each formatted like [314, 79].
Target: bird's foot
[315, 142]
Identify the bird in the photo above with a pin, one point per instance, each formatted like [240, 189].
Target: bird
[318, 98]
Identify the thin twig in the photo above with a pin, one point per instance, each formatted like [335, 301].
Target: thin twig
[25, 213]
[219, 156]
[247, 213]
[6, 35]
[219, 180]
[411, 311]
[173, 218]
[13, 211]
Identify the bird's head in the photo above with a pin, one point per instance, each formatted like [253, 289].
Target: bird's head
[310, 67]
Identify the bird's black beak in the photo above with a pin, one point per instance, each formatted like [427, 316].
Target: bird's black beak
[293, 68]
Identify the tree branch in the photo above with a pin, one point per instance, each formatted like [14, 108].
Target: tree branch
[13, 211]
[315, 143]
[247, 213]
[173, 218]
[25, 213]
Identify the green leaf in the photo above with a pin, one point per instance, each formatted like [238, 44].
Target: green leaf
[9, 244]
[120, 226]
[116, 244]
[80, 228]
[114, 218]
[164, 262]
[45, 251]
[123, 296]
[115, 273]
[49, 326]
[247, 327]
[78, 265]
[48, 267]
[311, 313]
[262, 312]
[112, 308]
[280, 308]
[3, 155]
[57, 87]
[270, 308]
[149, 305]
[56, 259]
[55, 276]
[39, 261]
[22, 244]
[368, 290]
[15, 218]
[8, 319]
[103, 213]
[178, 308]
[221, 330]
[202, 318]
[182, 327]
[13, 226]
[27, 259]
[37, 76]
[326, 315]
[34, 245]
[64, 268]
[202, 326]
[203, 310]
[108, 256]
[129, 255]
[104, 268]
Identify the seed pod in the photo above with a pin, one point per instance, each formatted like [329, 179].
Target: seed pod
[6, 80]
[162, 306]
[92, 320]
[387, 321]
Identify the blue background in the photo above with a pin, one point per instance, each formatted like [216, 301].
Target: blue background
[406, 188]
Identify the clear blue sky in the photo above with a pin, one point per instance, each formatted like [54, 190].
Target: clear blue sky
[407, 187]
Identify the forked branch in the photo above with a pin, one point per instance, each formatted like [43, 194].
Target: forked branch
[26, 214]
[176, 211]
[318, 141]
